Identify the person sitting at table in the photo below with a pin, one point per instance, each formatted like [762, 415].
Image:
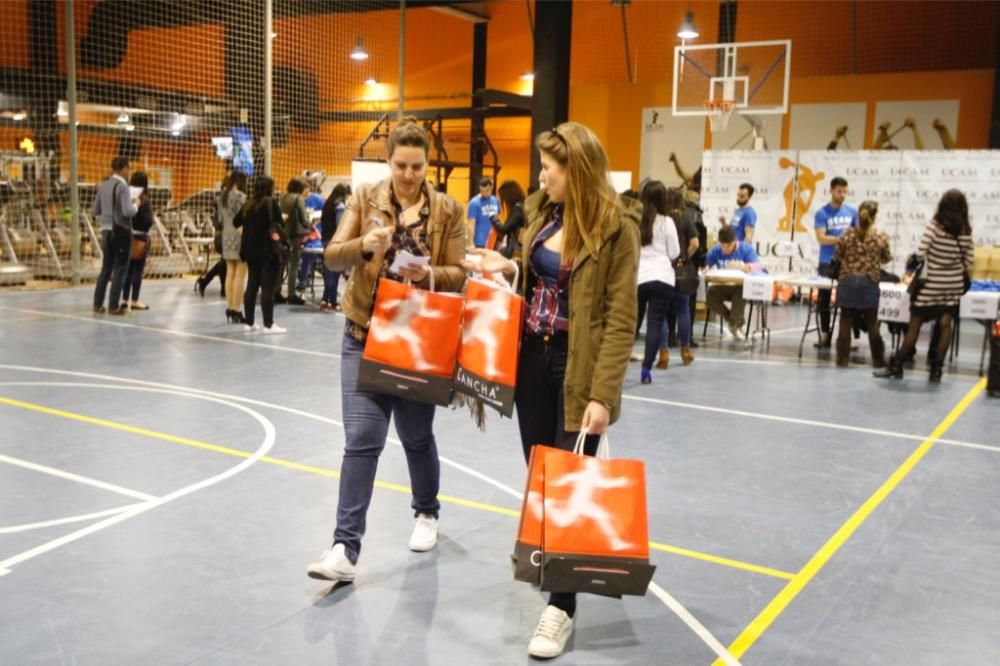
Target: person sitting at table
[312, 246]
[731, 254]
[862, 251]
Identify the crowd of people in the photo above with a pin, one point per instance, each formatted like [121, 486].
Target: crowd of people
[592, 266]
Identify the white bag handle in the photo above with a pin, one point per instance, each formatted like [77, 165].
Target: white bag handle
[503, 283]
[430, 273]
[604, 445]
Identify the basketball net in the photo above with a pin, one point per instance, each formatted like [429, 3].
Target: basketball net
[719, 111]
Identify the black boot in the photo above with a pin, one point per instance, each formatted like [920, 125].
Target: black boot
[843, 352]
[893, 370]
[878, 353]
[936, 371]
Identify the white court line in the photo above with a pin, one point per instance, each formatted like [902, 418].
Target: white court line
[518, 494]
[63, 521]
[69, 476]
[137, 509]
[174, 332]
[675, 606]
[808, 422]
[692, 622]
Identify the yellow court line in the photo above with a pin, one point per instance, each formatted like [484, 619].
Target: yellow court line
[724, 561]
[766, 617]
[323, 471]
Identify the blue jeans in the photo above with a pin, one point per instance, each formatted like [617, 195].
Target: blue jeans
[116, 246]
[331, 280]
[305, 268]
[366, 425]
[682, 310]
[659, 296]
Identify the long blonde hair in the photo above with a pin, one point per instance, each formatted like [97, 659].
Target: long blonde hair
[589, 199]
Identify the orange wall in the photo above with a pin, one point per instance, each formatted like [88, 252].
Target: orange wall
[924, 36]
[615, 111]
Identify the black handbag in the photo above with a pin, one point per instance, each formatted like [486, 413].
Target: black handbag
[917, 268]
[685, 272]
[280, 250]
[686, 280]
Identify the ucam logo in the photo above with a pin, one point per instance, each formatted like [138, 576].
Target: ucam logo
[960, 172]
[865, 172]
[654, 122]
[734, 170]
[928, 194]
[881, 194]
[909, 171]
[993, 195]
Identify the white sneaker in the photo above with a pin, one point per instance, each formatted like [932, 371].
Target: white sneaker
[332, 565]
[425, 533]
[553, 631]
[248, 328]
[274, 329]
[736, 333]
[635, 357]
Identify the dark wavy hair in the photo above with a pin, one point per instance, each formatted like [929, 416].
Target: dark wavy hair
[953, 213]
[263, 189]
[654, 202]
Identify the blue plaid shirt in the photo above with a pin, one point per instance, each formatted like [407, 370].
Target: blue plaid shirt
[548, 306]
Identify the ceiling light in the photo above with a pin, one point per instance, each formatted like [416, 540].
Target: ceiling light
[19, 116]
[529, 76]
[359, 52]
[178, 124]
[371, 81]
[63, 111]
[123, 118]
[130, 127]
[274, 35]
[687, 29]
[175, 133]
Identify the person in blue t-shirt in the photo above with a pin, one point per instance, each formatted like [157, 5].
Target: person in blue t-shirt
[744, 217]
[832, 220]
[482, 209]
[732, 254]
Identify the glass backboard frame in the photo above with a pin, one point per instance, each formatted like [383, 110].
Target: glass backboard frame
[688, 74]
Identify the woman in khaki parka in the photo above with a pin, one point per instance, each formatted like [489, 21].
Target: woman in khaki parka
[578, 268]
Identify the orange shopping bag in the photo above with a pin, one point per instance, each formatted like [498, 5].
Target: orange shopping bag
[595, 526]
[491, 336]
[412, 342]
[527, 556]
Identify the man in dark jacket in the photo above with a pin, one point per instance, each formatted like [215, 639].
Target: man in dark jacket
[114, 208]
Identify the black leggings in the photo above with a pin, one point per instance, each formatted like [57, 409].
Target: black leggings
[263, 276]
[943, 325]
[539, 403]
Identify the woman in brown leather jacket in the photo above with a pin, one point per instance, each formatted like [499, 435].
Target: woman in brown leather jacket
[400, 213]
[579, 263]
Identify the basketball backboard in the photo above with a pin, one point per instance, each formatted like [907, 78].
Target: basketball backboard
[753, 75]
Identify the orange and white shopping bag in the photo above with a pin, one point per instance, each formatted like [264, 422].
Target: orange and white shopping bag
[491, 335]
[412, 342]
[595, 525]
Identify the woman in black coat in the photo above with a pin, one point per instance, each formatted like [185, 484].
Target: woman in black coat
[264, 248]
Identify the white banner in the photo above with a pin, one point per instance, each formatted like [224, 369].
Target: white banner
[870, 175]
[906, 184]
[930, 173]
[772, 173]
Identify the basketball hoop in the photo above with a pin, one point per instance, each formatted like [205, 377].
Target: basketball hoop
[718, 112]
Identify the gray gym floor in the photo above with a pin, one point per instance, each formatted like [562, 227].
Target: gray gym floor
[165, 479]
